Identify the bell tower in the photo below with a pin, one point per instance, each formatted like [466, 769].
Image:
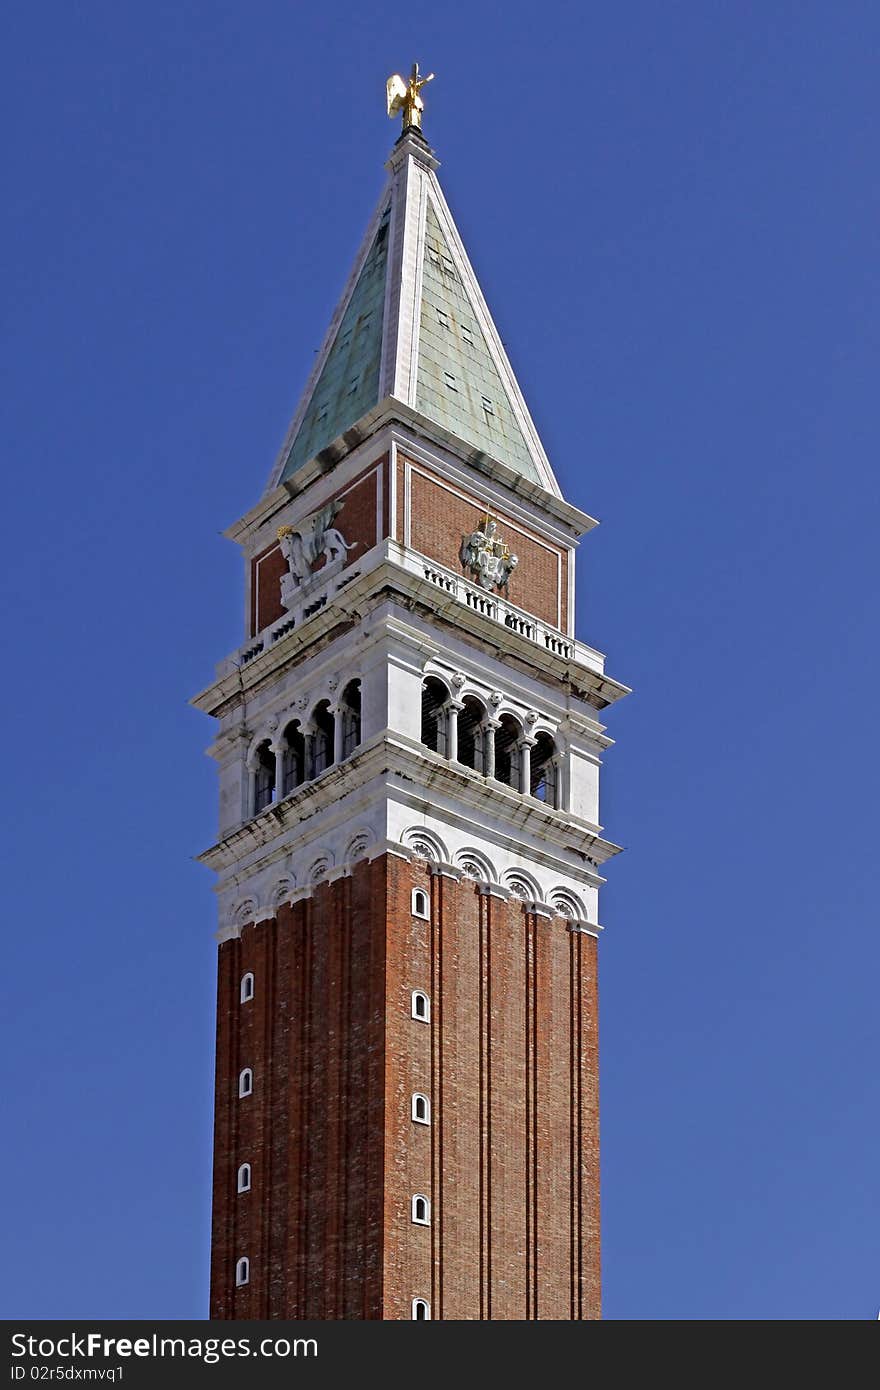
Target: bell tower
[409, 852]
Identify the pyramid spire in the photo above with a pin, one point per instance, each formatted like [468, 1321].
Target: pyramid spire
[412, 326]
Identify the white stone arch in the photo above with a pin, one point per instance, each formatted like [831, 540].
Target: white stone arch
[522, 885]
[472, 691]
[265, 735]
[425, 844]
[282, 891]
[514, 711]
[542, 725]
[432, 672]
[320, 866]
[476, 865]
[567, 904]
[357, 846]
[243, 912]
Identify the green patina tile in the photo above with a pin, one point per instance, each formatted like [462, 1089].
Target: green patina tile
[456, 374]
[349, 384]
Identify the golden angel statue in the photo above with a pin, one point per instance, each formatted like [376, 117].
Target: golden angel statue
[404, 97]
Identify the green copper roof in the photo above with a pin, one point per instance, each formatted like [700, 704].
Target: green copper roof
[458, 384]
[349, 384]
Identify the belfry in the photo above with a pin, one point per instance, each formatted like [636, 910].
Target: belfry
[409, 852]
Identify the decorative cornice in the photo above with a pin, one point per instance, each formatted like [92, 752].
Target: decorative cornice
[390, 755]
[382, 570]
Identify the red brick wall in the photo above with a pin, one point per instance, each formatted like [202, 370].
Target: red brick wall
[509, 1062]
[440, 517]
[362, 522]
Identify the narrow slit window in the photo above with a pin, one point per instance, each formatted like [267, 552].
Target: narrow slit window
[244, 1178]
[246, 993]
[245, 1083]
[242, 1271]
[421, 1006]
[421, 1310]
[421, 1109]
[421, 903]
[421, 1210]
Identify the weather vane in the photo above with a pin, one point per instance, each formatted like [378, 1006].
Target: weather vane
[404, 97]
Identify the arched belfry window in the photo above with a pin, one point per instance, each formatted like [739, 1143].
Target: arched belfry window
[294, 762]
[545, 773]
[350, 714]
[264, 776]
[471, 735]
[434, 716]
[325, 732]
[507, 760]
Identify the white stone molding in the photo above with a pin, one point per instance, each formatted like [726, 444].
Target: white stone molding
[425, 844]
[539, 908]
[521, 884]
[494, 890]
[358, 847]
[444, 870]
[320, 867]
[567, 904]
[282, 892]
[476, 865]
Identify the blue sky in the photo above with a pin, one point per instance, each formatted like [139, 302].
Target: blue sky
[673, 210]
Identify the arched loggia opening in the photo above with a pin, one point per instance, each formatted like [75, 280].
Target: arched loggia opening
[545, 773]
[434, 716]
[294, 769]
[471, 734]
[323, 738]
[263, 765]
[350, 714]
[507, 753]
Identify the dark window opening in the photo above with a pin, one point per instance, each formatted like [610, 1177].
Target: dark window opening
[434, 698]
[264, 777]
[350, 714]
[507, 758]
[293, 766]
[470, 734]
[325, 733]
[544, 780]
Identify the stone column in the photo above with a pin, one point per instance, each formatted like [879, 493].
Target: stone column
[559, 769]
[336, 711]
[489, 746]
[453, 709]
[525, 764]
[308, 731]
[279, 749]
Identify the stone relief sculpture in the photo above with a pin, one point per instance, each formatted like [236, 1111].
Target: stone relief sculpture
[487, 556]
[303, 545]
[311, 538]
